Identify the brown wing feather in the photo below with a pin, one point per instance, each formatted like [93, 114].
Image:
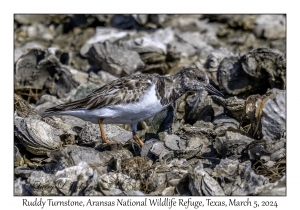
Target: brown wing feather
[121, 91]
[124, 90]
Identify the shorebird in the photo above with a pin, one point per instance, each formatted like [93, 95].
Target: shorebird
[132, 99]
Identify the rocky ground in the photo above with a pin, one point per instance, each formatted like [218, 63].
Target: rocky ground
[202, 145]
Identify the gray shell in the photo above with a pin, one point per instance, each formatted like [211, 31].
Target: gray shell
[37, 136]
[274, 117]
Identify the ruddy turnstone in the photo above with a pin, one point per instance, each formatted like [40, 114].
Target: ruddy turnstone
[131, 99]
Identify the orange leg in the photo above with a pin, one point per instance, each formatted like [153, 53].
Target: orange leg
[137, 140]
[134, 136]
[103, 135]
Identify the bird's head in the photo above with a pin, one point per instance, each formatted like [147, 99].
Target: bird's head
[194, 80]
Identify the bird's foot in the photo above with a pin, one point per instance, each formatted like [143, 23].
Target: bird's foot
[138, 140]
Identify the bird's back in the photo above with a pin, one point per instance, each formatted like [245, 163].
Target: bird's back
[122, 91]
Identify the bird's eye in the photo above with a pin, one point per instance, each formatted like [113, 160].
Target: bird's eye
[201, 79]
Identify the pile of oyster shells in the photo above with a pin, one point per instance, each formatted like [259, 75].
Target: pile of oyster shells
[201, 145]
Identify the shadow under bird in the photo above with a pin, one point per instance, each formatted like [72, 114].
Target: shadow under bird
[131, 99]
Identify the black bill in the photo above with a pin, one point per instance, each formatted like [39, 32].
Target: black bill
[213, 90]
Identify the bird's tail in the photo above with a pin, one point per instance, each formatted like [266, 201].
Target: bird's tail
[51, 112]
[65, 108]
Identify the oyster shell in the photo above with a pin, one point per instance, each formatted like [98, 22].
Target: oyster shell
[233, 105]
[43, 69]
[22, 107]
[274, 117]
[110, 57]
[118, 181]
[267, 114]
[232, 79]
[72, 155]
[37, 136]
[132, 193]
[201, 183]
[18, 159]
[42, 184]
[73, 180]
[90, 134]
[213, 62]
[266, 66]
[20, 188]
[231, 143]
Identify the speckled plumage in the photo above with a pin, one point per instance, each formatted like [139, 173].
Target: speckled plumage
[134, 98]
[130, 89]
